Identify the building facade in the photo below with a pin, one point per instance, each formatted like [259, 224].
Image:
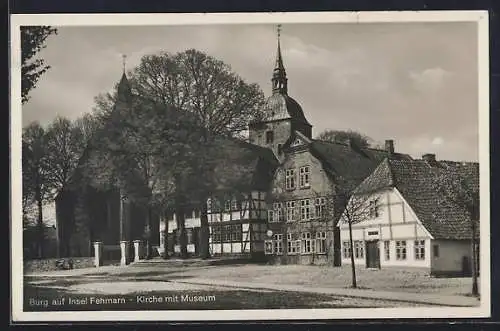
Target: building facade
[407, 222]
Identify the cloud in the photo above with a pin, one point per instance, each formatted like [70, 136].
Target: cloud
[437, 141]
[429, 79]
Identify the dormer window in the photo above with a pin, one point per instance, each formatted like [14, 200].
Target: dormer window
[296, 142]
[269, 137]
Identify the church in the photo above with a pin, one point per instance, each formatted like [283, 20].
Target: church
[288, 212]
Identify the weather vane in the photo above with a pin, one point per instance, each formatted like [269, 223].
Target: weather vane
[124, 59]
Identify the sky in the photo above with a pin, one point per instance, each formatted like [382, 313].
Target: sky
[415, 83]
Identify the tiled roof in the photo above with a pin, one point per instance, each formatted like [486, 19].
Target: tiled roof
[350, 163]
[416, 181]
[253, 166]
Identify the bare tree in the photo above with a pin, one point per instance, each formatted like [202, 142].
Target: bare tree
[356, 207]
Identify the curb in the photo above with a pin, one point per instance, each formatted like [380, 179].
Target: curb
[333, 294]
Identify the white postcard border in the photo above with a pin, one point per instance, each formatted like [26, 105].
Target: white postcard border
[480, 17]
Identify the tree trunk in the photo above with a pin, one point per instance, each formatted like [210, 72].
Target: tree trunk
[147, 232]
[165, 236]
[204, 232]
[40, 225]
[285, 243]
[181, 227]
[353, 267]
[475, 290]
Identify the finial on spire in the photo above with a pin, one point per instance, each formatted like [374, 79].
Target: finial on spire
[124, 61]
[279, 79]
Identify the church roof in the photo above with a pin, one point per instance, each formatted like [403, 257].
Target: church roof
[281, 106]
[416, 181]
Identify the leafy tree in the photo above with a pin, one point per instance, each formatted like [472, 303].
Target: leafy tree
[32, 41]
[460, 186]
[64, 147]
[217, 99]
[346, 137]
[36, 174]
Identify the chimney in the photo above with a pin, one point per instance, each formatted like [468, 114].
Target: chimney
[431, 158]
[389, 147]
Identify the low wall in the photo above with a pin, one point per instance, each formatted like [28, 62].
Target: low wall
[40, 265]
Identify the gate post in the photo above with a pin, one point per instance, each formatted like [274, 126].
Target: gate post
[137, 249]
[124, 252]
[97, 254]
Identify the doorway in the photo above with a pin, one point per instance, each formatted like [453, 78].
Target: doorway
[372, 254]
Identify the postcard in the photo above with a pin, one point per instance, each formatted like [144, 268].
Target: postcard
[250, 166]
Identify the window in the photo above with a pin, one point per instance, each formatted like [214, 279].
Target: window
[196, 213]
[227, 205]
[419, 249]
[269, 137]
[304, 176]
[387, 250]
[319, 207]
[293, 244]
[270, 215]
[400, 249]
[189, 236]
[290, 211]
[278, 244]
[305, 213]
[226, 233]
[359, 249]
[278, 211]
[290, 179]
[296, 142]
[274, 245]
[216, 234]
[346, 249]
[235, 205]
[372, 233]
[209, 205]
[373, 208]
[435, 249]
[236, 233]
[306, 242]
[320, 242]
[269, 247]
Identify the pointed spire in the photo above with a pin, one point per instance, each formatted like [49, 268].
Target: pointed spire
[279, 79]
[124, 90]
[279, 59]
[124, 61]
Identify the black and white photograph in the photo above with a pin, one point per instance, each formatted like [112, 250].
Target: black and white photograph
[183, 167]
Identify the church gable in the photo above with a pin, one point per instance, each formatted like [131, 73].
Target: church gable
[296, 141]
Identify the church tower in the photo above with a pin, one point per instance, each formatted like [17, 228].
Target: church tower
[283, 115]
